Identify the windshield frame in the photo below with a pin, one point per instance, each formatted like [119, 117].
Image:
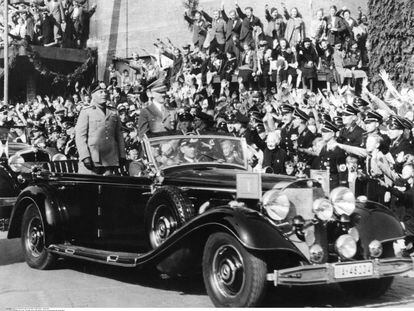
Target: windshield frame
[150, 156]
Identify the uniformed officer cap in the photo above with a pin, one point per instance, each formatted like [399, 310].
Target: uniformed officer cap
[407, 123]
[96, 86]
[359, 102]
[329, 127]
[158, 86]
[287, 109]
[186, 46]
[260, 128]
[301, 115]
[326, 117]
[396, 123]
[350, 110]
[222, 126]
[242, 119]
[373, 116]
[185, 116]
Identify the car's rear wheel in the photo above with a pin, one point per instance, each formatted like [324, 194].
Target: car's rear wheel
[373, 288]
[166, 211]
[33, 240]
[233, 276]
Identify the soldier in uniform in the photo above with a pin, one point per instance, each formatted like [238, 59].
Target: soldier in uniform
[250, 134]
[305, 137]
[351, 133]
[156, 117]
[400, 145]
[289, 132]
[99, 138]
[185, 121]
[331, 157]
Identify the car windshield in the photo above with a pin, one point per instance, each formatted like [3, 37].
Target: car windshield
[179, 150]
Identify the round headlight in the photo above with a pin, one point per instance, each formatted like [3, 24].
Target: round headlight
[346, 246]
[375, 248]
[343, 201]
[277, 205]
[323, 209]
[15, 162]
[316, 253]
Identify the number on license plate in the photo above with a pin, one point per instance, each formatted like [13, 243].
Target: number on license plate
[353, 270]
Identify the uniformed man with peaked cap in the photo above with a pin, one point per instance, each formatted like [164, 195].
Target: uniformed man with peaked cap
[99, 137]
[351, 133]
[331, 157]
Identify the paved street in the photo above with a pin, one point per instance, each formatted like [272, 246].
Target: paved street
[78, 284]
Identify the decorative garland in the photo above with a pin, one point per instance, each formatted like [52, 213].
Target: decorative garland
[38, 65]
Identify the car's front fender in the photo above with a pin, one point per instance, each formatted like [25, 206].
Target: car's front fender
[47, 204]
[252, 230]
[376, 222]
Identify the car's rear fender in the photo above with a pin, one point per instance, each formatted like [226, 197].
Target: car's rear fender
[47, 204]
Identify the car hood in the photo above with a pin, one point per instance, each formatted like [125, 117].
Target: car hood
[218, 177]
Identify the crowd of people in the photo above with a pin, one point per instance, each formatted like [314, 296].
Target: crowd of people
[61, 23]
[260, 82]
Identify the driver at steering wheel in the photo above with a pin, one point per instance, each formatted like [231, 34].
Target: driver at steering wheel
[189, 151]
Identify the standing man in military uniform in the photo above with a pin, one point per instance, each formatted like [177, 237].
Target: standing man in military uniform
[99, 138]
[351, 133]
[156, 117]
[331, 157]
[305, 137]
[289, 133]
[400, 145]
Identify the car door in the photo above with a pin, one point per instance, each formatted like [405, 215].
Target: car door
[79, 205]
[123, 204]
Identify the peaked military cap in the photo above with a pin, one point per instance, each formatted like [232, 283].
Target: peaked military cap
[373, 116]
[329, 127]
[350, 110]
[287, 108]
[359, 102]
[301, 114]
[396, 123]
[185, 116]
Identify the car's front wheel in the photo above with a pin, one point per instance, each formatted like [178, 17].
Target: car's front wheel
[233, 276]
[373, 288]
[33, 240]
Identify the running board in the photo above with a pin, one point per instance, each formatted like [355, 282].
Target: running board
[96, 255]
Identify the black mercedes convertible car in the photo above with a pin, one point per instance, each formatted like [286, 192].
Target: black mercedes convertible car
[190, 204]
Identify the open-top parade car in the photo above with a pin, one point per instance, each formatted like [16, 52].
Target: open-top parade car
[190, 204]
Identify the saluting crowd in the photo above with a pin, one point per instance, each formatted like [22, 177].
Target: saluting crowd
[300, 96]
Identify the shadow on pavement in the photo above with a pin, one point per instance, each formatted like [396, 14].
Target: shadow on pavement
[304, 296]
[10, 251]
[148, 277]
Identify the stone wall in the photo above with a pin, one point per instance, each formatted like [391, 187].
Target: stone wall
[120, 27]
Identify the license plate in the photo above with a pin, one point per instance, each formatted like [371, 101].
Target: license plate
[353, 270]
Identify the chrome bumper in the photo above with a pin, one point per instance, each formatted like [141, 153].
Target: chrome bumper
[325, 273]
